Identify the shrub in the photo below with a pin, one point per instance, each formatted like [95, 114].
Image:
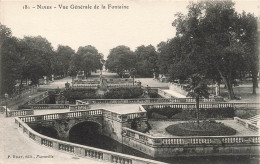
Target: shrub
[123, 93]
[75, 94]
[184, 114]
[153, 95]
[24, 107]
[166, 111]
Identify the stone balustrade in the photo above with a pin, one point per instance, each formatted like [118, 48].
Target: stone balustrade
[15, 113]
[81, 114]
[53, 116]
[88, 81]
[150, 100]
[188, 99]
[203, 105]
[125, 85]
[79, 107]
[109, 81]
[49, 106]
[80, 150]
[78, 86]
[95, 86]
[247, 124]
[39, 98]
[188, 140]
[119, 80]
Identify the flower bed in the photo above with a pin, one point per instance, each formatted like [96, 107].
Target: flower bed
[205, 128]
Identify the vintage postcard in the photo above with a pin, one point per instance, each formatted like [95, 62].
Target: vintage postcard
[129, 81]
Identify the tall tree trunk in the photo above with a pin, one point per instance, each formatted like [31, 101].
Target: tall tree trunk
[228, 83]
[230, 90]
[254, 81]
[197, 108]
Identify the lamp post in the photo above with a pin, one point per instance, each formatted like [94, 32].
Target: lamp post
[6, 97]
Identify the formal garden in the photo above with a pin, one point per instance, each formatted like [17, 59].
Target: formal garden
[185, 123]
[72, 95]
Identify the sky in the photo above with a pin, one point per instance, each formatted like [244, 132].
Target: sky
[143, 23]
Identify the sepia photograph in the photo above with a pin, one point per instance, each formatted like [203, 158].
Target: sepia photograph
[129, 81]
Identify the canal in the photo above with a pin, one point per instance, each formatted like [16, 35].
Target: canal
[88, 133]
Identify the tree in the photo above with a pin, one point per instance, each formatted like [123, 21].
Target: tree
[37, 58]
[165, 57]
[172, 52]
[197, 88]
[88, 59]
[249, 36]
[146, 60]
[120, 59]
[63, 57]
[10, 60]
[213, 30]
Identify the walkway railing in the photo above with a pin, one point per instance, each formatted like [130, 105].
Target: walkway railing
[54, 116]
[94, 86]
[247, 124]
[49, 106]
[39, 98]
[125, 85]
[14, 113]
[149, 100]
[80, 111]
[78, 86]
[190, 140]
[80, 150]
[203, 105]
[79, 107]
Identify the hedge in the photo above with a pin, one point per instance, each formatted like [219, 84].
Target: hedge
[187, 114]
[123, 93]
[74, 94]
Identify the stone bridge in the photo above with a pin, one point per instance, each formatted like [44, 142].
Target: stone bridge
[109, 123]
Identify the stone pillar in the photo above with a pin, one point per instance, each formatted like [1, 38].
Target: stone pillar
[63, 127]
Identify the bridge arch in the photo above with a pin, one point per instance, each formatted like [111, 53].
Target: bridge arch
[46, 130]
[63, 126]
[87, 132]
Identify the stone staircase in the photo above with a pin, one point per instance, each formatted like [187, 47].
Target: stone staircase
[255, 119]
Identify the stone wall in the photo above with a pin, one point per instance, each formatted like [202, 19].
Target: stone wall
[191, 146]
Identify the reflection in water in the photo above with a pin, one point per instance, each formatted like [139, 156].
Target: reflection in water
[88, 133]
